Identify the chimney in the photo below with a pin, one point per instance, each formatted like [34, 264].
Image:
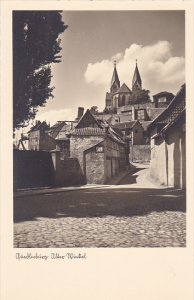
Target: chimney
[80, 112]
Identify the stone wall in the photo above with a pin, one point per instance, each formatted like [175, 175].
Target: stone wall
[42, 169]
[94, 167]
[115, 159]
[140, 153]
[67, 172]
[78, 144]
[32, 169]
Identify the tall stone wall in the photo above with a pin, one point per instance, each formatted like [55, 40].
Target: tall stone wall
[32, 169]
[45, 169]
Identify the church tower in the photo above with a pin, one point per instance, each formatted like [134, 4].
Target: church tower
[136, 82]
[115, 83]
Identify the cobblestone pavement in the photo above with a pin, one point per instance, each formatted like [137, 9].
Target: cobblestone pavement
[134, 214]
[164, 229]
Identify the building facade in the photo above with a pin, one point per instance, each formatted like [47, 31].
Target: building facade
[100, 151]
[168, 145]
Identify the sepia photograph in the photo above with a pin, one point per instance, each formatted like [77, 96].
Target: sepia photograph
[99, 128]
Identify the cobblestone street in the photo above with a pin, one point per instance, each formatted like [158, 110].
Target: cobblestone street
[127, 215]
[165, 229]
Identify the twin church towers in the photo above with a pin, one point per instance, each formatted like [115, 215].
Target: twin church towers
[121, 95]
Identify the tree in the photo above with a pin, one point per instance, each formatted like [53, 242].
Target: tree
[35, 46]
[140, 96]
[94, 110]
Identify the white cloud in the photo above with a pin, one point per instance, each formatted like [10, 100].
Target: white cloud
[159, 69]
[53, 116]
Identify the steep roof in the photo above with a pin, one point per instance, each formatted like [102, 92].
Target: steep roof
[56, 128]
[124, 89]
[88, 120]
[136, 77]
[176, 106]
[115, 77]
[39, 126]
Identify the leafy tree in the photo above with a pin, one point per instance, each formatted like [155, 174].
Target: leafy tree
[94, 110]
[35, 46]
[140, 96]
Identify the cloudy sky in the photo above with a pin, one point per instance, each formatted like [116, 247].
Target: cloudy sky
[95, 38]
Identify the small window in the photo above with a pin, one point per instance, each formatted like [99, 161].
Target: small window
[162, 99]
[99, 149]
[136, 131]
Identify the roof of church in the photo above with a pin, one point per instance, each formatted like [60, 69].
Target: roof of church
[136, 76]
[124, 89]
[115, 77]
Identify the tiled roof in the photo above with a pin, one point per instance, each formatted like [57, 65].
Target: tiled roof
[88, 131]
[169, 125]
[125, 125]
[59, 124]
[154, 112]
[176, 106]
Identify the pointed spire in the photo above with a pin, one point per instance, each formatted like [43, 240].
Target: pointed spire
[136, 82]
[115, 83]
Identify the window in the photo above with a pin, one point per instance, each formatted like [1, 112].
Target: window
[141, 114]
[99, 149]
[162, 99]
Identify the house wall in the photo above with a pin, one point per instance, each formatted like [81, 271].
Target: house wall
[140, 153]
[176, 157]
[99, 167]
[168, 158]
[78, 144]
[94, 167]
[137, 135]
[46, 142]
[158, 168]
[39, 140]
[114, 160]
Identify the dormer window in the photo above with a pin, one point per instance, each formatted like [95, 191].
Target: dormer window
[162, 99]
